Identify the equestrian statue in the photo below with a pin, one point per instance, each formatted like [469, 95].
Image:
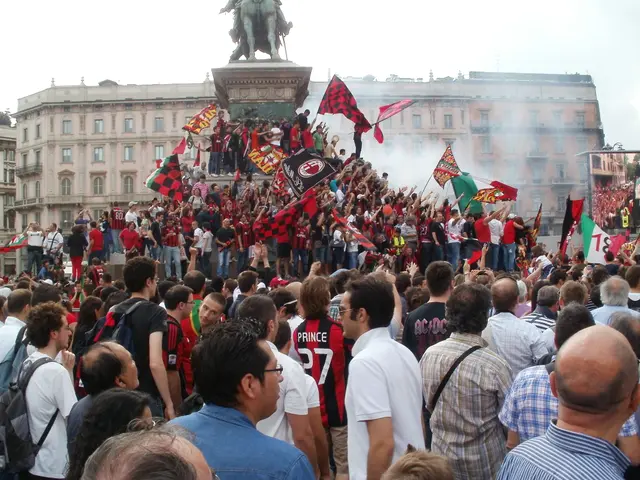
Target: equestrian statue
[258, 25]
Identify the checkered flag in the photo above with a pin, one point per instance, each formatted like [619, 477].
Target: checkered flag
[285, 218]
[166, 180]
[338, 99]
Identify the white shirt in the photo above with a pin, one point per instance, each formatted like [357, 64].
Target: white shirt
[384, 382]
[5, 292]
[454, 231]
[313, 394]
[276, 132]
[131, 217]
[8, 333]
[207, 241]
[496, 229]
[198, 233]
[339, 197]
[53, 242]
[34, 239]
[293, 399]
[549, 340]
[50, 389]
[294, 322]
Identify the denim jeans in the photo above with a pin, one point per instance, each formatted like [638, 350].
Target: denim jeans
[215, 163]
[156, 252]
[223, 263]
[243, 260]
[437, 253]
[494, 256]
[204, 262]
[34, 256]
[426, 251]
[352, 260]
[302, 255]
[97, 254]
[453, 254]
[509, 256]
[115, 235]
[172, 254]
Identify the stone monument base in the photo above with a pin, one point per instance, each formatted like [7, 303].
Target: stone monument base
[266, 89]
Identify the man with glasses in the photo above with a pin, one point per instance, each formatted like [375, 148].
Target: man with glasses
[238, 377]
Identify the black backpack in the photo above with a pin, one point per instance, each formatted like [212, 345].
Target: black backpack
[17, 450]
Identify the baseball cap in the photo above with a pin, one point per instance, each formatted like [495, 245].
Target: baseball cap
[131, 204]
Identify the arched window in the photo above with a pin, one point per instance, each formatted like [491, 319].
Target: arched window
[98, 186]
[127, 184]
[25, 191]
[37, 189]
[65, 186]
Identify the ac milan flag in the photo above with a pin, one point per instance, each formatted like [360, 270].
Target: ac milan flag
[509, 193]
[571, 219]
[305, 170]
[447, 168]
[489, 195]
[338, 99]
[280, 223]
[267, 158]
[201, 120]
[166, 180]
[388, 111]
[362, 240]
[536, 225]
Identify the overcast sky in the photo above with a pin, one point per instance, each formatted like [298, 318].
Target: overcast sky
[162, 41]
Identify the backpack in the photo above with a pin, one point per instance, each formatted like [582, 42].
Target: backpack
[123, 331]
[17, 450]
[10, 366]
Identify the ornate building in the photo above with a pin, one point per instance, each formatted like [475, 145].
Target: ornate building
[7, 193]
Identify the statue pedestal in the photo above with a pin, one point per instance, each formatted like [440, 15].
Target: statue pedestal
[265, 89]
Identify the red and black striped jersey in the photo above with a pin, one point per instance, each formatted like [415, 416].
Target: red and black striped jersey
[326, 354]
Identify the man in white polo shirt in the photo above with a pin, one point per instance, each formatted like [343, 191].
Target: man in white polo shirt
[384, 392]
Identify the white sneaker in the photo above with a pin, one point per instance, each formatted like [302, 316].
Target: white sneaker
[214, 175]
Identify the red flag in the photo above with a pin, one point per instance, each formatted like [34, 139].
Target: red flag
[362, 240]
[180, 148]
[197, 162]
[509, 193]
[616, 242]
[388, 111]
[571, 219]
[338, 99]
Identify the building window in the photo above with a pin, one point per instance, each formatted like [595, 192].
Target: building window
[484, 119]
[66, 155]
[11, 200]
[533, 118]
[25, 221]
[448, 121]
[38, 131]
[37, 189]
[159, 152]
[158, 124]
[582, 171]
[128, 106]
[560, 173]
[128, 153]
[582, 144]
[128, 125]
[536, 175]
[38, 218]
[559, 145]
[561, 203]
[187, 120]
[98, 126]
[10, 221]
[417, 121]
[98, 186]
[486, 144]
[25, 191]
[535, 144]
[65, 219]
[38, 153]
[24, 159]
[462, 117]
[580, 119]
[98, 154]
[557, 118]
[66, 109]
[66, 127]
[65, 187]
[25, 134]
[127, 184]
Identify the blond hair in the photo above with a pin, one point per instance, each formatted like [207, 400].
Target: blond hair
[419, 465]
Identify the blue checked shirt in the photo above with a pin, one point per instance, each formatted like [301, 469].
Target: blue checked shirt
[530, 406]
[564, 455]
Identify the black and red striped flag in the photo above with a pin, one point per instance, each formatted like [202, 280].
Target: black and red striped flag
[388, 111]
[281, 221]
[166, 180]
[362, 240]
[571, 220]
[339, 99]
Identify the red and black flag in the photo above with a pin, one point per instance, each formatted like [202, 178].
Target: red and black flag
[285, 218]
[536, 225]
[571, 220]
[338, 99]
[509, 193]
[197, 162]
[166, 180]
[362, 240]
[388, 111]
[305, 170]
[447, 168]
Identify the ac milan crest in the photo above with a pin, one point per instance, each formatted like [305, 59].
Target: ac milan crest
[310, 168]
[305, 170]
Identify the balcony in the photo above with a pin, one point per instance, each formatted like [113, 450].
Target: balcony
[563, 181]
[537, 155]
[29, 170]
[600, 171]
[28, 203]
[64, 200]
[6, 187]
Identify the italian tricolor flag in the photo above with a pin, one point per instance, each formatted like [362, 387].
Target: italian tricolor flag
[596, 242]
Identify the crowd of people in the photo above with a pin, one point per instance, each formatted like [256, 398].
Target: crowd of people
[612, 205]
[434, 356]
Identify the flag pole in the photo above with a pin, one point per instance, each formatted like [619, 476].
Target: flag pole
[425, 185]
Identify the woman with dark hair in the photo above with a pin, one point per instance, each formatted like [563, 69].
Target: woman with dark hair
[111, 414]
[77, 243]
[87, 318]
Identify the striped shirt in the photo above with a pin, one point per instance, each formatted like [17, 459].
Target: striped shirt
[540, 318]
[564, 455]
[465, 422]
[530, 406]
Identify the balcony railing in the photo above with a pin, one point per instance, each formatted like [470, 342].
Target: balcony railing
[28, 203]
[537, 154]
[27, 170]
[563, 181]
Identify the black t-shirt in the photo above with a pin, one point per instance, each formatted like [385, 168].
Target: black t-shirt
[612, 268]
[469, 229]
[77, 242]
[424, 327]
[147, 319]
[156, 232]
[634, 305]
[438, 229]
[225, 234]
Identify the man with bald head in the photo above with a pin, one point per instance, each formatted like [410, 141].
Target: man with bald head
[614, 294]
[596, 382]
[515, 340]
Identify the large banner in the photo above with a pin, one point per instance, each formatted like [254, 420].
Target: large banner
[305, 170]
[267, 158]
[201, 120]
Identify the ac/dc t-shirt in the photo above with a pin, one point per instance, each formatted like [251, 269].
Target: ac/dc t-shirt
[424, 327]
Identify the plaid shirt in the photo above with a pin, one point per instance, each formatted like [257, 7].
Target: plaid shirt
[530, 406]
[465, 422]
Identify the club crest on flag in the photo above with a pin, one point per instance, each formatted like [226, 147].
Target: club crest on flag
[310, 168]
[305, 170]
